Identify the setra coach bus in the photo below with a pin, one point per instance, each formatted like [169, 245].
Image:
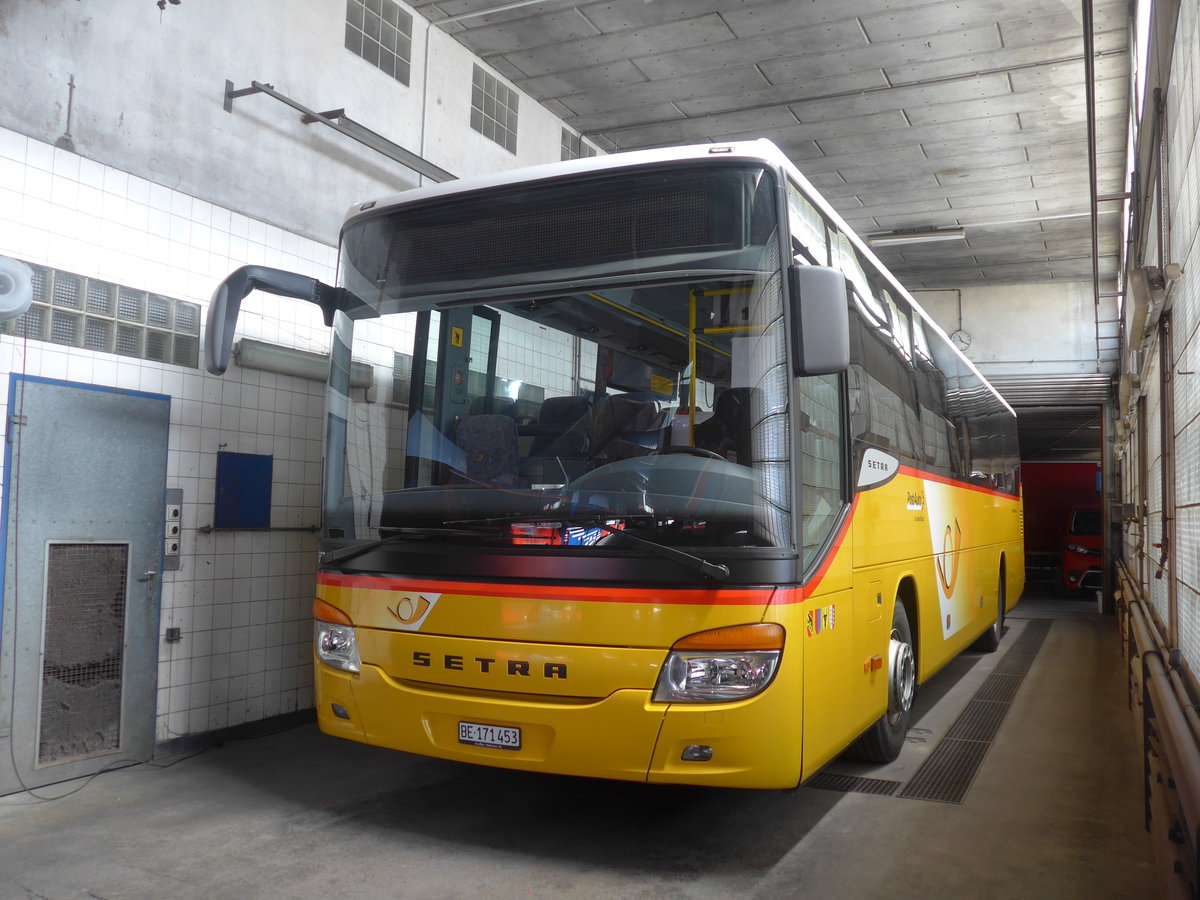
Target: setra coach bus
[659, 475]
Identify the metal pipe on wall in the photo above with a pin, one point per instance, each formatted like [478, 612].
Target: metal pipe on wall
[1166, 406]
[1089, 76]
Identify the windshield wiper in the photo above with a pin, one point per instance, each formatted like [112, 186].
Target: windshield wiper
[715, 571]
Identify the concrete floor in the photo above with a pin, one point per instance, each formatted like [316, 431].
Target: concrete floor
[1055, 811]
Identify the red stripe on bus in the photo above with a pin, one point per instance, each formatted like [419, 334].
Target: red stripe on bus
[954, 482]
[708, 597]
[809, 587]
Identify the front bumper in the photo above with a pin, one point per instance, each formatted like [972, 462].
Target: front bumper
[624, 736]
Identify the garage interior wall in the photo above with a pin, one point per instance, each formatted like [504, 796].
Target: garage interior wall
[1159, 442]
[149, 184]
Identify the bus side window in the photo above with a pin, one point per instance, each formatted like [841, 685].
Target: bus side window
[810, 238]
[824, 458]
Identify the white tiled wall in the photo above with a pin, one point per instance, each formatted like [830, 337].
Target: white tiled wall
[241, 599]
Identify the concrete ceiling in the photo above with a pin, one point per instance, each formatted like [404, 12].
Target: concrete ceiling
[906, 114]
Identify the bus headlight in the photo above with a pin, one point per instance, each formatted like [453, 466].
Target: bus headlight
[337, 646]
[721, 665]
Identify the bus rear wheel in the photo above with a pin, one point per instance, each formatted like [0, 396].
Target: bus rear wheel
[883, 741]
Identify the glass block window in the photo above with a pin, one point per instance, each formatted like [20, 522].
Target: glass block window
[75, 311]
[494, 109]
[575, 147]
[381, 33]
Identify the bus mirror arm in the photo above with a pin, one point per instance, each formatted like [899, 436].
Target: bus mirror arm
[227, 303]
[820, 317]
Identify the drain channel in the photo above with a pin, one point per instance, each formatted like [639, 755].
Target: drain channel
[829, 781]
[948, 772]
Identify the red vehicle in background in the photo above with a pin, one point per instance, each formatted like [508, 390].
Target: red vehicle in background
[1080, 549]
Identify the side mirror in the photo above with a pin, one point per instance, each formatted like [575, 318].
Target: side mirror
[820, 320]
[227, 303]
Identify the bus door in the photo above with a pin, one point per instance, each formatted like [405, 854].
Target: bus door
[457, 370]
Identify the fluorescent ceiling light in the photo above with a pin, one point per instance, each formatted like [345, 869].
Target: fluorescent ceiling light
[299, 363]
[916, 237]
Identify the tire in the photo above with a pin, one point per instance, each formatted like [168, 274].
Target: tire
[883, 741]
[990, 639]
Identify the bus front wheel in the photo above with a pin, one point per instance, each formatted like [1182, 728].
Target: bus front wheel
[990, 639]
[882, 742]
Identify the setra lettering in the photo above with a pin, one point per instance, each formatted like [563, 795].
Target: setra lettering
[489, 665]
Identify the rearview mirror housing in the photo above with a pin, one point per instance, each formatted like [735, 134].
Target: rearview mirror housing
[227, 303]
[820, 320]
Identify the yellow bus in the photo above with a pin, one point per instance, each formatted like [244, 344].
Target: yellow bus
[656, 474]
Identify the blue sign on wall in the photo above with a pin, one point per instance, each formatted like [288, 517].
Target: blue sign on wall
[243, 491]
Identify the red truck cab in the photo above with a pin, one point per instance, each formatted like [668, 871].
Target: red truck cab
[1080, 545]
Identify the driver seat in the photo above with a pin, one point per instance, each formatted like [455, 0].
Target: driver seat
[617, 427]
[728, 430]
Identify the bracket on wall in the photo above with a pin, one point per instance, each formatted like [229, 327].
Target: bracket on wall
[341, 123]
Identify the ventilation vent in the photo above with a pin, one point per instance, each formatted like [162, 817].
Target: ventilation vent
[84, 646]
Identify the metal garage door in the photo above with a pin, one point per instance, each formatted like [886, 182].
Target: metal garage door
[85, 476]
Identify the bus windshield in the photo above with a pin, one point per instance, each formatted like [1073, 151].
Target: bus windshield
[568, 379]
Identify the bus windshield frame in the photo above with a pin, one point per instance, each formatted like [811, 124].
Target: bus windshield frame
[651, 305]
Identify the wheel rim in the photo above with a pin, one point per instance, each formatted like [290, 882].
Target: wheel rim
[902, 677]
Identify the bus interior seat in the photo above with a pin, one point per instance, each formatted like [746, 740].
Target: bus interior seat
[504, 406]
[557, 414]
[727, 430]
[617, 427]
[490, 445]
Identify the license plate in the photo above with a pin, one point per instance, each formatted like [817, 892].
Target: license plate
[496, 736]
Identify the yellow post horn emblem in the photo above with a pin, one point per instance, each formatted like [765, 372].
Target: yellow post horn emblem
[408, 610]
[951, 544]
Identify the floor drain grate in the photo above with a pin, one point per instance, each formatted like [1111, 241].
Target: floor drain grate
[948, 773]
[847, 784]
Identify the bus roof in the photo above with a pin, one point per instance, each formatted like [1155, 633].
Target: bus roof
[760, 150]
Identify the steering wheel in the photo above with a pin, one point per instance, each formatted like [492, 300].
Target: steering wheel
[691, 451]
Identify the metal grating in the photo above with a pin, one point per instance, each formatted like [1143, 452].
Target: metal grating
[999, 687]
[979, 721]
[948, 772]
[83, 651]
[847, 784]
